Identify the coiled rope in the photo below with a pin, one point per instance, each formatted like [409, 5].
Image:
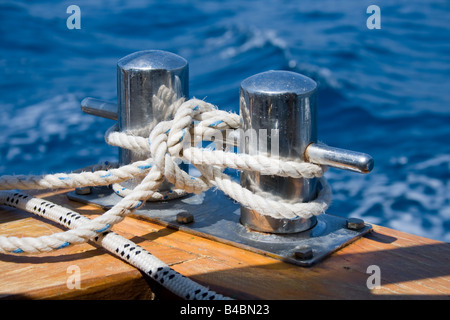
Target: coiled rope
[169, 141]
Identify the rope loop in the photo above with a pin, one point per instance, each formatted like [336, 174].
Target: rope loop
[173, 136]
[170, 141]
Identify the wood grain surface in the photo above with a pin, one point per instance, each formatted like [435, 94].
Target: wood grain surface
[411, 267]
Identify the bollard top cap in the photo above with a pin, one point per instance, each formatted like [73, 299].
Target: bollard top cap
[152, 60]
[276, 82]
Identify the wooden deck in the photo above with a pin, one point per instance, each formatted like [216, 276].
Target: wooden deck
[411, 267]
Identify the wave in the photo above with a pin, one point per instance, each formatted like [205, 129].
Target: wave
[417, 203]
[52, 136]
[256, 50]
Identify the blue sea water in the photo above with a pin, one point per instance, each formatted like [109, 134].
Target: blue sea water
[384, 91]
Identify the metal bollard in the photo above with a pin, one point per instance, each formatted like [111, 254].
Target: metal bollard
[280, 107]
[146, 82]
[278, 118]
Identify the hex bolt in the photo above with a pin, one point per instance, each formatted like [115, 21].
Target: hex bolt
[303, 253]
[355, 224]
[185, 217]
[83, 190]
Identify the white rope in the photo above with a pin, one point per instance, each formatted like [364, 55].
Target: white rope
[76, 180]
[259, 163]
[172, 138]
[157, 196]
[167, 140]
[114, 243]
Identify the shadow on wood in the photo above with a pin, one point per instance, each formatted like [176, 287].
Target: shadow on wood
[410, 267]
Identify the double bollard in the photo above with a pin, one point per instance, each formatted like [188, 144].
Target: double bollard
[278, 111]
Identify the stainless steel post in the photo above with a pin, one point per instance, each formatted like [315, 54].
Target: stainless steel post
[140, 76]
[280, 106]
[145, 79]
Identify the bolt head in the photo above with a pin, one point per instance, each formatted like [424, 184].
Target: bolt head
[355, 224]
[83, 190]
[303, 253]
[185, 217]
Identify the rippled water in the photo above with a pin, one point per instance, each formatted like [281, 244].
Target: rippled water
[384, 92]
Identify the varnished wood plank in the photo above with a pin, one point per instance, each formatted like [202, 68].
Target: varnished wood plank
[411, 266]
[44, 276]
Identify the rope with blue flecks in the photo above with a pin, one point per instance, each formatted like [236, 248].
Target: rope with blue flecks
[168, 141]
[114, 243]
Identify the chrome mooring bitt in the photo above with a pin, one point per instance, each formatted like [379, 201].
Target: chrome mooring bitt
[279, 105]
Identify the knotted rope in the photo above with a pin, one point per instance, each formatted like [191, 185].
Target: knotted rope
[169, 141]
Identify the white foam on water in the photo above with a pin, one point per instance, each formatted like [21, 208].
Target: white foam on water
[54, 116]
[418, 204]
[42, 133]
[256, 38]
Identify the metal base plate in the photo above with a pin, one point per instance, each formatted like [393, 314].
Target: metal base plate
[216, 217]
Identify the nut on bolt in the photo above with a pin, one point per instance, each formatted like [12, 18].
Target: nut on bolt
[303, 253]
[83, 190]
[355, 224]
[185, 217]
